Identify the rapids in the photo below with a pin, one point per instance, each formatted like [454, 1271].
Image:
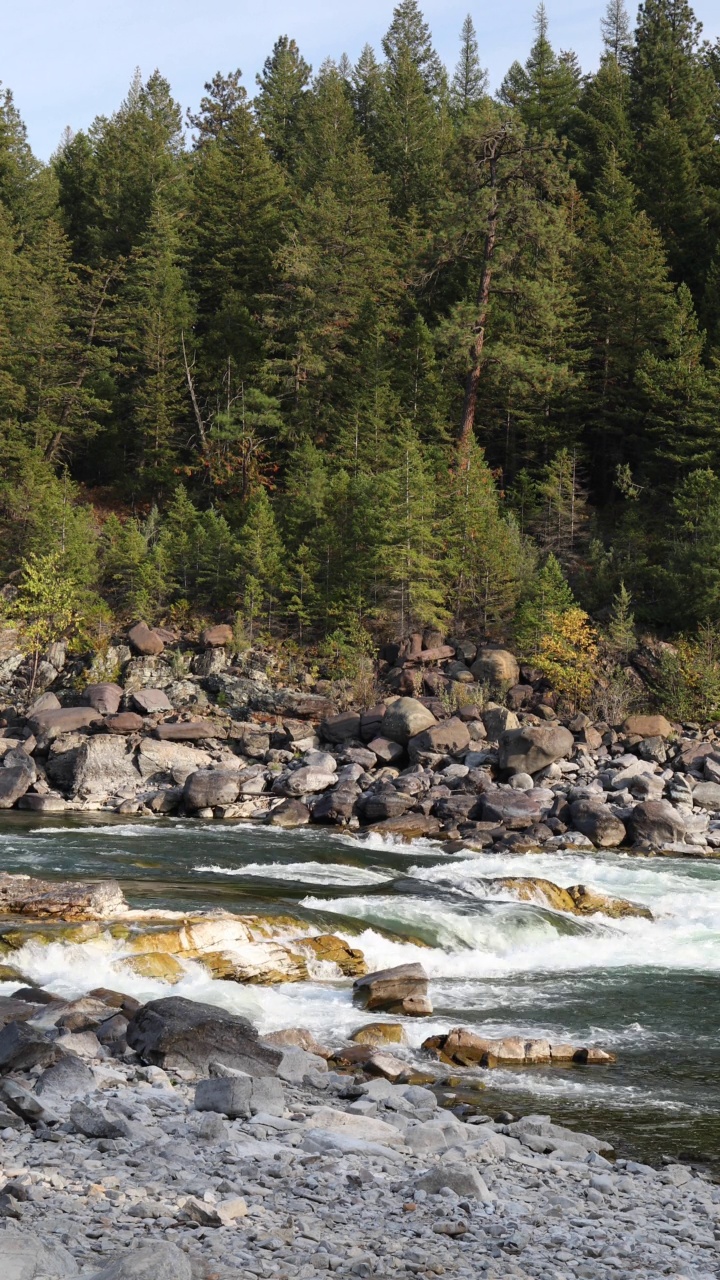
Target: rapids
[648, 990]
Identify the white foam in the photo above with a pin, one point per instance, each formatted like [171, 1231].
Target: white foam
[330, 873]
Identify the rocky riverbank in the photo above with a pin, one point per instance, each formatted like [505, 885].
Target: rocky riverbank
[196, 1151]
[477, 756]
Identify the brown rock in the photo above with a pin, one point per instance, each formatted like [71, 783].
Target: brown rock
[104, 698]
[217, 637]
[589, 902]
[496, 667]
[409, 826]
[49, 725]
[402, 989]
[297, 1038]
[125, 722]
[596, 821]
[144, 640]
[530, 749]
[209, 787]
[386, 751]
[404, 718]
[291, 813]
[656, 822]
[647, 726]
[24, 895]
[341, 727]
[326, 946]
[380, 1033]
[446, 738]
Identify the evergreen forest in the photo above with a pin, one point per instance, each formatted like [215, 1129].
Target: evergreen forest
[360, 349]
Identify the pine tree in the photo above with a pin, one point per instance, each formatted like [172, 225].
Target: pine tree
[548, 597]
[546, 89]
[621, 626]
[368, 90]
[615, 29]
[408, 39]
[469, 83]
[262, 564]
[279, 102]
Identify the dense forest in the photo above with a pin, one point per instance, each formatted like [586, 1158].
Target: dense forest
[365, 348]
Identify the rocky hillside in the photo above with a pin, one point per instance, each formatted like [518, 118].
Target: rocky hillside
[465, 746]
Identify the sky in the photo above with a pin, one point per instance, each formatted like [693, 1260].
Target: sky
[67, 61]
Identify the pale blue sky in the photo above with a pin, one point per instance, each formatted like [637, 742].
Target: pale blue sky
[70, 60]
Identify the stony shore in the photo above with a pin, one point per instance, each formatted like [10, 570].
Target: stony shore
[465, 746]
[289, 1169]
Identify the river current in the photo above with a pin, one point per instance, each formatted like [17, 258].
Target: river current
[648, 990]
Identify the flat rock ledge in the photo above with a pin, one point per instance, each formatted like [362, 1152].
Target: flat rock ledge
[112, 1168]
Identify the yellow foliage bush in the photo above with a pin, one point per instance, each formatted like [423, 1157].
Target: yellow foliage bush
[569, 656]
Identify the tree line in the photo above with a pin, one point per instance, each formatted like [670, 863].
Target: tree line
[369, 346]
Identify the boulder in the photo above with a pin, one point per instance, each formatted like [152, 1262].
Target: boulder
[69, 1077]
[217, 637]
[189, 731]
[515, 809]
[14, 782]
[145, 641]
[104, 698]
[228, 1095]
[706, 795]
[151, 701]
[647, 726]
[125, 722]
[460, 1178]
[329, 948]
[169, 761]
[46, 702]
[160, 1260]
[495, 667]
[304, 781]
[596, 821]
[380, 1033]
[26, 1256]
[23, 1047]
[336, 805]
[657, 823]
[387, 752]
[64, 900]
[404, 718]
[49, 725]
[209, 787]
[253, 739]
[180, 1033]
[400, 990]
[367, 1128]
[341, 727]
[103, 765]
[289, 814]
[376, 806]
[298, 1038]
[530, 749]
[498, 720]
[445, 738]
[589, 902]
[409, 826]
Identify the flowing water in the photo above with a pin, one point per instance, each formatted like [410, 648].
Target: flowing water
[648, 990]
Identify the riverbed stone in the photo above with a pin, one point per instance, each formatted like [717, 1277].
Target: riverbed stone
[532, 748]
[402, 989]
[596, 820]
[404, 718]
[656, 822]
[209, 787]
[175, 1032]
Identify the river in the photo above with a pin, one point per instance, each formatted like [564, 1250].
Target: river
[648, 990]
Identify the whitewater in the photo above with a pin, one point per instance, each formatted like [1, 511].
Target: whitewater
[646, 989]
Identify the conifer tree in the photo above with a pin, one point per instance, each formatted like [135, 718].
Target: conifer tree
[408, 39]
[547, 597]
[279, 102]
[469, 83]
[615, 29]
[546, 89]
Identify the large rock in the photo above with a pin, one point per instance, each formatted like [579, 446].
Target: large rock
[496, 667]
[460, 1178]
[375, 806]
[160, 1260]
[217, 637]
[145, 641]
[516, 809]
[23, 1047]
[647, 726]
[125, 722]
[409, 826]
[14, 783]
[402, 989]
[49, 725]
[63, 900]
[707, 795]
[189, 731]
[169, 761]
[180, 1033]
[596, 821]
[151, 701]
[104, 698]
[530, 749]
[228, 1095]
[404, 718]
[26, 1256]
[340, 728]
[589, 902]
[210, 787]
[305, 781]
[657, 823]
[445, 738]
[104, 765]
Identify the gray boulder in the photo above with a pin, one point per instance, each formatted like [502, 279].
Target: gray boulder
[157, 1261]
[305, 780]
[404, 718]
[706, 795]
[516, 809]
[528, 750]
[69, 1077]
[341, 727]
[402, 989]
[23, 1047]
[445, 738]
[460, 1178]
[26, 1256]
[151, 701]
[209, 787]
[14, 782]
[48, 725]
[656, 822]
[596, 821]
[104, 765]
[175, 1032]
[229, 1096]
